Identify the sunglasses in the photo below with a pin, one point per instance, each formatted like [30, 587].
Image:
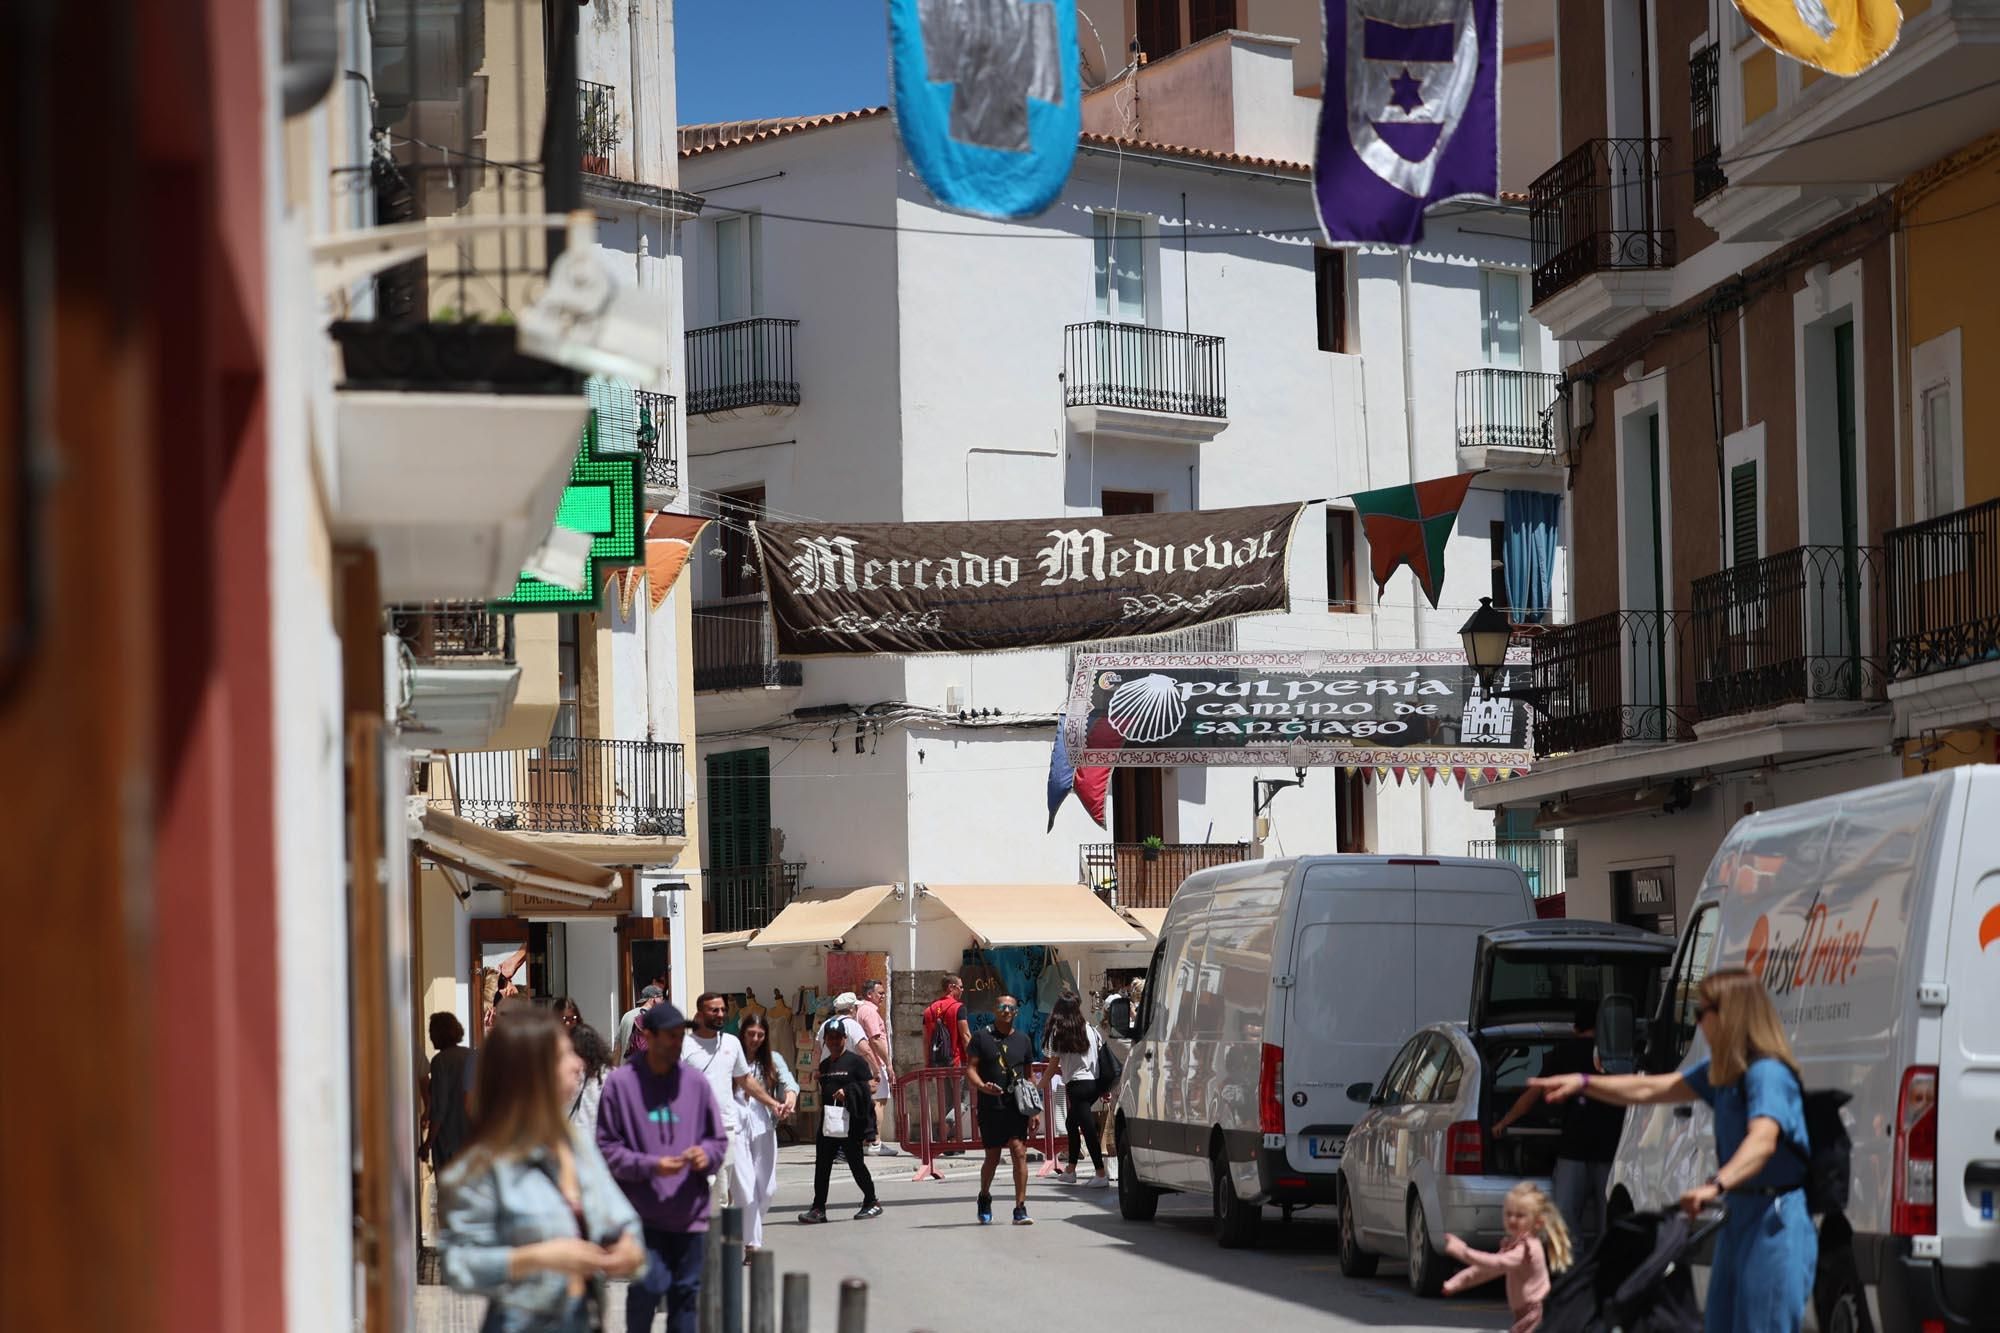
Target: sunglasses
[1007, 1009]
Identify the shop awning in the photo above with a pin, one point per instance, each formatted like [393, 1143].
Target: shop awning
[821, 916]
[511, 862]
[1148, 919]
[1015, 914]
[728, 939]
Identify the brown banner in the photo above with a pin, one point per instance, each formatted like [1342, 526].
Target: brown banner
[908, 588]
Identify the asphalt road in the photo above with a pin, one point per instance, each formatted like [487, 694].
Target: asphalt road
[1080, 1269]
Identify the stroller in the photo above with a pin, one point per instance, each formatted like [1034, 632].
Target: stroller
[1637, 1279]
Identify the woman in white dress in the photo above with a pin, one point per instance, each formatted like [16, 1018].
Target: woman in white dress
[757, 1167]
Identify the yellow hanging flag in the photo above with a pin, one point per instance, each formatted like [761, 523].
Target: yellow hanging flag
[1841, 37]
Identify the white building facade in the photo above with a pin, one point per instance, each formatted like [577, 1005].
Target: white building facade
[857, 353]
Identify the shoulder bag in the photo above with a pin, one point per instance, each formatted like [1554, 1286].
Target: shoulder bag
[1027, 1097]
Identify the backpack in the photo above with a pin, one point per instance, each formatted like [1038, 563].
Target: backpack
[1108, 1069]
[1830, 1166]
[944, 1041]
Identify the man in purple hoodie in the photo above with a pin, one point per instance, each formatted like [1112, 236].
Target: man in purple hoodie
[661, 1133]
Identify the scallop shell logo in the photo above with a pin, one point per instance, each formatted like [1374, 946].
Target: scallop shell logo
[1147, 709]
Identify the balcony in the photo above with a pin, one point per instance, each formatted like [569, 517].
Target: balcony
[1130, 874]
[1801, 626]
[452, 445]
[659, 442]
[1601, 247]
[459, 676]
[597, 128]
[1128, 379]
[734, 650]
[1804, 148]
[1506, 418]
[748, 364]
[747, 897]
[1549, 863]
[1612, 679]
[1943, 608]
[1704, 87]
[576, 785]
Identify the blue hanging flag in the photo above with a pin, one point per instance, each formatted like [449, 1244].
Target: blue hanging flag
[1410, 115]
[987, 99]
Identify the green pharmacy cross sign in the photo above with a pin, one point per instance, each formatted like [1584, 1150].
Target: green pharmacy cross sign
[603, 499]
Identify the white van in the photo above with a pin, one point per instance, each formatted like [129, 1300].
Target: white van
[1277, 994]
[1874, 919]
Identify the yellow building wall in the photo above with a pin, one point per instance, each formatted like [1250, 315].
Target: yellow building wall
[534, 712]
[1760, 85]
[437, 950]
[1952, 282]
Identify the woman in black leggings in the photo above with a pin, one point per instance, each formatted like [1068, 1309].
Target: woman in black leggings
[1070, 1046]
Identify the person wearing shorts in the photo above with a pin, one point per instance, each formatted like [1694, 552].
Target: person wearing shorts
[997, 1059]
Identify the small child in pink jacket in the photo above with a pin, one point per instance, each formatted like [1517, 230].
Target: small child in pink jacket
[1537, 1244]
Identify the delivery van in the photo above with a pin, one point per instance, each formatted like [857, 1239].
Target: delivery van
[1874, 919]
[1276, 996]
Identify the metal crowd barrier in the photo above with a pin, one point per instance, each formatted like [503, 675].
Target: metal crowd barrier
[936, 1114]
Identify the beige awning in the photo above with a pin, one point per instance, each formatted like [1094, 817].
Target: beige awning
[511, 862]
[728, 939]
[821, 916]
[1014, 914]
[1148, 919]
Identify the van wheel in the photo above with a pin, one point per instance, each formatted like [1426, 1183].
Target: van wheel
[1235, 1221]
[1136, 1202]
[1847, 1312]
[1354, 1261]
[1426, 1264]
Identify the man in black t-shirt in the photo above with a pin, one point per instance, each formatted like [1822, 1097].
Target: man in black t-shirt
[995, 1062]
[1590, 1132]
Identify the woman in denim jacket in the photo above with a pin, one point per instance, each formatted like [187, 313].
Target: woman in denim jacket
[532, 1218]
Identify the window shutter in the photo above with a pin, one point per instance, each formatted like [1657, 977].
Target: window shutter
[617, 409]
[739, 808]
[1743, 513]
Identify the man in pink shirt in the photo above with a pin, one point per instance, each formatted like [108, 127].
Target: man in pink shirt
[875, 1049]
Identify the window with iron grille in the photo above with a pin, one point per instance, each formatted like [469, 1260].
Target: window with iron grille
[1704, 84]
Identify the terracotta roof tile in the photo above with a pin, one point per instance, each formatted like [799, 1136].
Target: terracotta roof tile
[697, 139]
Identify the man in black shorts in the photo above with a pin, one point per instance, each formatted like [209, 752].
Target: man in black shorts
[997, 1059]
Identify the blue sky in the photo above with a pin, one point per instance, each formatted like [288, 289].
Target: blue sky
[747, 59]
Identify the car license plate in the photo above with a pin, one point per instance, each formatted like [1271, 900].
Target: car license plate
[1332, 1145]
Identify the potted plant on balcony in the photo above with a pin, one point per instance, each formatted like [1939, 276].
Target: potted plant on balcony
[466, 353]
[1151, 847]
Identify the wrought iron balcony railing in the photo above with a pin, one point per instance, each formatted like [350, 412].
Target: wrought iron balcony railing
[1598, 210]
[1547, 862]
[1704, 92]
[1106, 364]
[734, 650]
[1621, 676]
[1800, 625]
[1943, 603]
[747, 897]
[575, 784]
[745, 364]
[658, 440]
[1513, 409]
[446, 630]
[597, 129]
[476, 278]
[1129, 874]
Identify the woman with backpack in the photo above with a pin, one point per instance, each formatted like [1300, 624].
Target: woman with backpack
[1762, 1276]
[1072, 1048]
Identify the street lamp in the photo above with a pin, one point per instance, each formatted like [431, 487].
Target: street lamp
[1486, 636]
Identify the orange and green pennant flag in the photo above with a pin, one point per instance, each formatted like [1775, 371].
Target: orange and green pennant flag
[1409, 525]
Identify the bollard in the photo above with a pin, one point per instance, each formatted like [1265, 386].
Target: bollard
[708, 1304]
[853, 1306]
[797, 1317]
[763, 1292]
[732, 1269]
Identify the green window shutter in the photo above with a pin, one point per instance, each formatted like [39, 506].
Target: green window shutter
[739, 808]
[1743, 513]
[617, 408]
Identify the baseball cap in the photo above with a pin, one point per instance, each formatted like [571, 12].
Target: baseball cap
[847, 999]
[661, 1017]
[833, 1027]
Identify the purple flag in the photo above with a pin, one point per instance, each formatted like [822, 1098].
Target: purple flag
[1410, 115]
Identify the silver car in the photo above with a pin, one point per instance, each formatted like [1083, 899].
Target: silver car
[1422, 1161]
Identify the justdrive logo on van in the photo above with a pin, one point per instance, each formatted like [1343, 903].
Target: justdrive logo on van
[1826, 952]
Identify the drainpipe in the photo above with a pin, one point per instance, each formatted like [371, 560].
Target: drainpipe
[312, 54]
[909, 893]
[638, 135]
[1410, 448]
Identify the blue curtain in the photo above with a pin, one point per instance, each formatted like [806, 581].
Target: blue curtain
[1533, 522]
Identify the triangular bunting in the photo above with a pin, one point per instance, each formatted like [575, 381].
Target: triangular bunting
[1490, 774]
[1431, 776]
[1458, 775]
[1411, 525]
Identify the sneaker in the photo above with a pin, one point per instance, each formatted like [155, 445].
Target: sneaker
[1100, 1181]
[883, 1150]
[985, 1209]
[811, 1216]
[1021, 1218]
[868, 1210]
